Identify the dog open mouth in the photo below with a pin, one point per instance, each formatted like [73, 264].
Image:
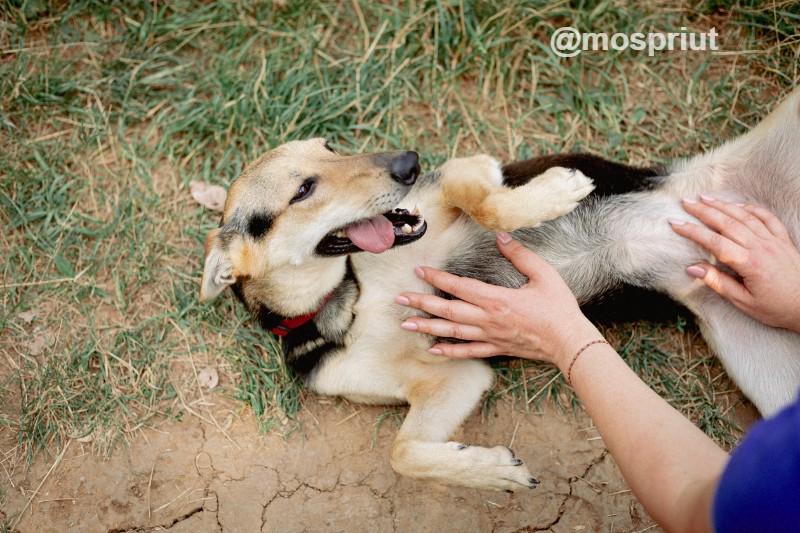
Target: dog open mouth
[376, 234]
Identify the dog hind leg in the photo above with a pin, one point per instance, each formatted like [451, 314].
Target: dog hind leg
[475, 186]
[762, 360]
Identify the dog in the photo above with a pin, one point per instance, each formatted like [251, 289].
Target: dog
[317, 245]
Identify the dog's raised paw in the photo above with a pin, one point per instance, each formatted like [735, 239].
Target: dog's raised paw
[550, 195]
[565, 186]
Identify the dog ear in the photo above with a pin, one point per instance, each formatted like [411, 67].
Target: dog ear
[218, 270]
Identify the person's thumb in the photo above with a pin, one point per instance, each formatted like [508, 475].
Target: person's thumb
[522, 258]
[722, 283]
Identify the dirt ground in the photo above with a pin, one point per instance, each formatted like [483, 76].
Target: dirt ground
[334, 475]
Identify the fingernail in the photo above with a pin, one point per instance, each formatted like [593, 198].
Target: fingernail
[435, 351]
[410, 326]
[677, 222]
[419, 272]
[688, 200]
[708, 198]
[696, 271]
[402, 300]
[503, 237]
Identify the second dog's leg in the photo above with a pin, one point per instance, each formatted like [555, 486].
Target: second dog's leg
[475, 185]
[440, 401]
[762, 360]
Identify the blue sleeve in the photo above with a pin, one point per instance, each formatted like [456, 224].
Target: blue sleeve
[760, 487]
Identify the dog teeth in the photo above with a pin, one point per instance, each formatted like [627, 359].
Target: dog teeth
[415, 212]
[407, 229]
[341, 234]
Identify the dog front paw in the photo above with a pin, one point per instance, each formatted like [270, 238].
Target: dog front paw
[455, 463]
[550, 195]
[497, 469]
[560, 189]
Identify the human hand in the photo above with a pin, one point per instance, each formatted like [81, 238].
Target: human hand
[540, 320]
[755, 244]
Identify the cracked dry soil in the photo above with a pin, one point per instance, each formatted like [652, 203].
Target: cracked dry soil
[334, 475]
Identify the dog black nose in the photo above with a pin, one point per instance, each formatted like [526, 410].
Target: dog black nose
[405, 168]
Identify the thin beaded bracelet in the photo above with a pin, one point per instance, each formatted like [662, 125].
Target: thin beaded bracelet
[575, 357]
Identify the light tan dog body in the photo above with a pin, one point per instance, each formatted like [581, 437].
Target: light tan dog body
[376, 361]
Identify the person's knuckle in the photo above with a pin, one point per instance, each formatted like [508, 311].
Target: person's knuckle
[445, 311]
[492, 330]
[767, 214]
[519, 251]
[751, 220]
[728, 224]
[773, 248]
[712, 279]
[497, 306]
[414, 300]
[455, 286]
[713, 243]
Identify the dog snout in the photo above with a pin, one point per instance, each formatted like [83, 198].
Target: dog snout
[405, 168]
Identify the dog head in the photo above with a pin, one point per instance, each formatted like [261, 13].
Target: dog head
[301, 204]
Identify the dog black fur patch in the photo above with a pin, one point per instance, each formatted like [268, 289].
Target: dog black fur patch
[258, 225]
[609, 177]
[304, 348]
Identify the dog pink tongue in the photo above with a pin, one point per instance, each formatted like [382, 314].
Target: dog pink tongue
[375, 235]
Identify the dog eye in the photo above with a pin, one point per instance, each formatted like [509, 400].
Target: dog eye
[304, 191]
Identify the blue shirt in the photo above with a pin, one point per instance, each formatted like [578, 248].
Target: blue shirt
[759, 491]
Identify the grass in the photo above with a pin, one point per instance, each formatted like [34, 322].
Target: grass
[108, 110]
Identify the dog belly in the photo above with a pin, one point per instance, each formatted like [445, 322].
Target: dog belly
[379, 358]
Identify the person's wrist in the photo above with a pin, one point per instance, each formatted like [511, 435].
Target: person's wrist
[577, 336]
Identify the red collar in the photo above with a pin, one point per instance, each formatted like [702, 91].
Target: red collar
[288, 324]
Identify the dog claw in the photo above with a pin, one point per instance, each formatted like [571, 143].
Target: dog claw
[462, 446]
[516, 462]
[533, 481]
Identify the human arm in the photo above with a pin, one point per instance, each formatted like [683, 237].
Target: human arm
[671, 466]
[756, 245]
